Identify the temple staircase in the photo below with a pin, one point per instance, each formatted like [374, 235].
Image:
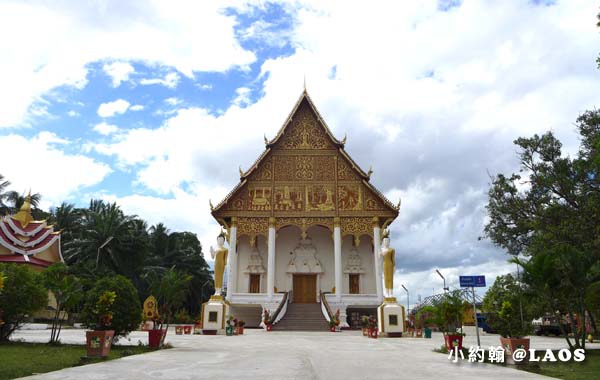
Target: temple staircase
[302, 317]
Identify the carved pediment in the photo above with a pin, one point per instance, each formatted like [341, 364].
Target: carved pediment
[304, 258]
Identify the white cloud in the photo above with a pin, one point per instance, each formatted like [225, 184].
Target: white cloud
[173, 101]
[73, 36]
[118, 72]
[47, 169]
[136, 107]
[105, 129]
[242, 96]
[73, 113]
[170, 80]
[109, 109]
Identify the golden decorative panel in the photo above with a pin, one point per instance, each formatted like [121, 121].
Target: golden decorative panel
[304, 168]
[288, 198]
[284, 167]
[305, 132]
[320, 198]
[259, 198]
[357, 226]
[264, 172]
[252, 226]
[324, 168]
[372, 202]
[304, 223]
[345, 172]
[350, 197]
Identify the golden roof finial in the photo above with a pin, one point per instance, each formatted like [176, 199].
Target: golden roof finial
[370, 172]
[304, 82]
[266, 139]
[241, 172]
[212, 208]
[344, 139]
[399, 204]
[24, 214]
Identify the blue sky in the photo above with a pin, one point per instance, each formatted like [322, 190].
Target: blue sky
[155, 105]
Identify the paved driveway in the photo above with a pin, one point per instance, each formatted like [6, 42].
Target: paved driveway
[289, 355]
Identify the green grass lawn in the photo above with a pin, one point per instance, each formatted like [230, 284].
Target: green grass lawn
[588, 369]
[24, 359]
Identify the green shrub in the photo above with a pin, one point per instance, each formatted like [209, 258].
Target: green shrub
[22, 294]
[126, 309]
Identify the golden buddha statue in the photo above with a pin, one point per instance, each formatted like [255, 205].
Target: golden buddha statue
[220, 257]
[389, 263]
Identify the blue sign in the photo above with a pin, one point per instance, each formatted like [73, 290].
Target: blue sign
[472, 281]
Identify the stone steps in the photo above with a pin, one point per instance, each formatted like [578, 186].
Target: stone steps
[303, 317]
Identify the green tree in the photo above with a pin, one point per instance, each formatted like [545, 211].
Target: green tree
[510, 306]
[67, 291]
[4, 184]
[549, 213]
[126, 309]
[22, 295]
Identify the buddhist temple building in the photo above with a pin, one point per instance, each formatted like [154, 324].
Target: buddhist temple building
[304, 226]
[27, 241]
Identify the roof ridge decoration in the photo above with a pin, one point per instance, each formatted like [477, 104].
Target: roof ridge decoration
[24, 215]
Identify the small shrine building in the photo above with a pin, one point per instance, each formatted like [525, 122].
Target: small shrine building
[27, 241]
[304, 223]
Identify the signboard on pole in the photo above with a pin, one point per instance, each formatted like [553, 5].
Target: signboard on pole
[472, 281]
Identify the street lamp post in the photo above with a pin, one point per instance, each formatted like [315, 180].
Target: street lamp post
[443, 278]
[407, 300]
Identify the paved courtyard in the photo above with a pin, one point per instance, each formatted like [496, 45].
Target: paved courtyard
[288, 355]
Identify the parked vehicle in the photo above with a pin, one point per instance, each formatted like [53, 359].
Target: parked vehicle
[549, 325]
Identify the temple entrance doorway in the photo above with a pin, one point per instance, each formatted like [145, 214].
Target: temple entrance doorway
[254, 286]
[305, 288]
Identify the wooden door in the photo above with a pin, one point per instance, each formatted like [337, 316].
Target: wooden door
[254, 283]
[305, 288]
[354, 283]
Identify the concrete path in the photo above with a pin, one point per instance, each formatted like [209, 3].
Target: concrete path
[289, 355]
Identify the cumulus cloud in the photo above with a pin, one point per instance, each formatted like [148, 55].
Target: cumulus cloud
[170, 80]
[75, 35]
[118, 72]
[105, 129]
[45, 168]
[110, 109]
[136, 107]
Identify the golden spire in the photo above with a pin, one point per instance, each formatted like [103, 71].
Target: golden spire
[24, 214]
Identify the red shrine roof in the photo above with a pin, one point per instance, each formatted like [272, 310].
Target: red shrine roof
[28, 241]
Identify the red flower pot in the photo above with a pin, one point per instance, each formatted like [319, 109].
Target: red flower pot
[179, 330]
[269, 327]
[240, 330]
[187, 330]
[365, 331]
[373, 333]
[98, 342]
[512, 344]
[155, 336]
[453, 340]
[332, 329]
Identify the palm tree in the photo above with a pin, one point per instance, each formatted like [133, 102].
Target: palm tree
[4, 184]
[108, 239]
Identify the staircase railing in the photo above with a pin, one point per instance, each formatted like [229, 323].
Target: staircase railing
[281, 309]
[325, 307]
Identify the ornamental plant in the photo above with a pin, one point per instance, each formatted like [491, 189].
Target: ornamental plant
[240, 323]
[22, 294]
[266, 317]
[507, 322]
[364, 321]
[448, 312]
[126, 310]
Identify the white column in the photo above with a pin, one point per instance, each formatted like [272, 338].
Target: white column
[377, 260]
[232, 259]
[271, 259]
[337, 254]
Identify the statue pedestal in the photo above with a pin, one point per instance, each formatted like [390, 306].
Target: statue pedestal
[390, 318]
[213, 316]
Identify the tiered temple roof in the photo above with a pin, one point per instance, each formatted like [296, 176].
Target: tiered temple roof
[28, 241]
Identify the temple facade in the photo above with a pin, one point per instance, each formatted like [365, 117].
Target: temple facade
[304, 224]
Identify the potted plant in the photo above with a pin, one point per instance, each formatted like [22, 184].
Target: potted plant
[334, 322]
[267, 320]
[156, 333]
[373, 329]
[507, 322]
[99, 339]
[423, 320]
[447, 315]
[229, 325]
[240, 326]
[364, 321]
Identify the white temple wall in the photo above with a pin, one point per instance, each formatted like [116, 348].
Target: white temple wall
[286, 242]
[243, 259]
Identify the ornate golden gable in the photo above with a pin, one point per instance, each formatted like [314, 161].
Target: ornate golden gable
[305, 178]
